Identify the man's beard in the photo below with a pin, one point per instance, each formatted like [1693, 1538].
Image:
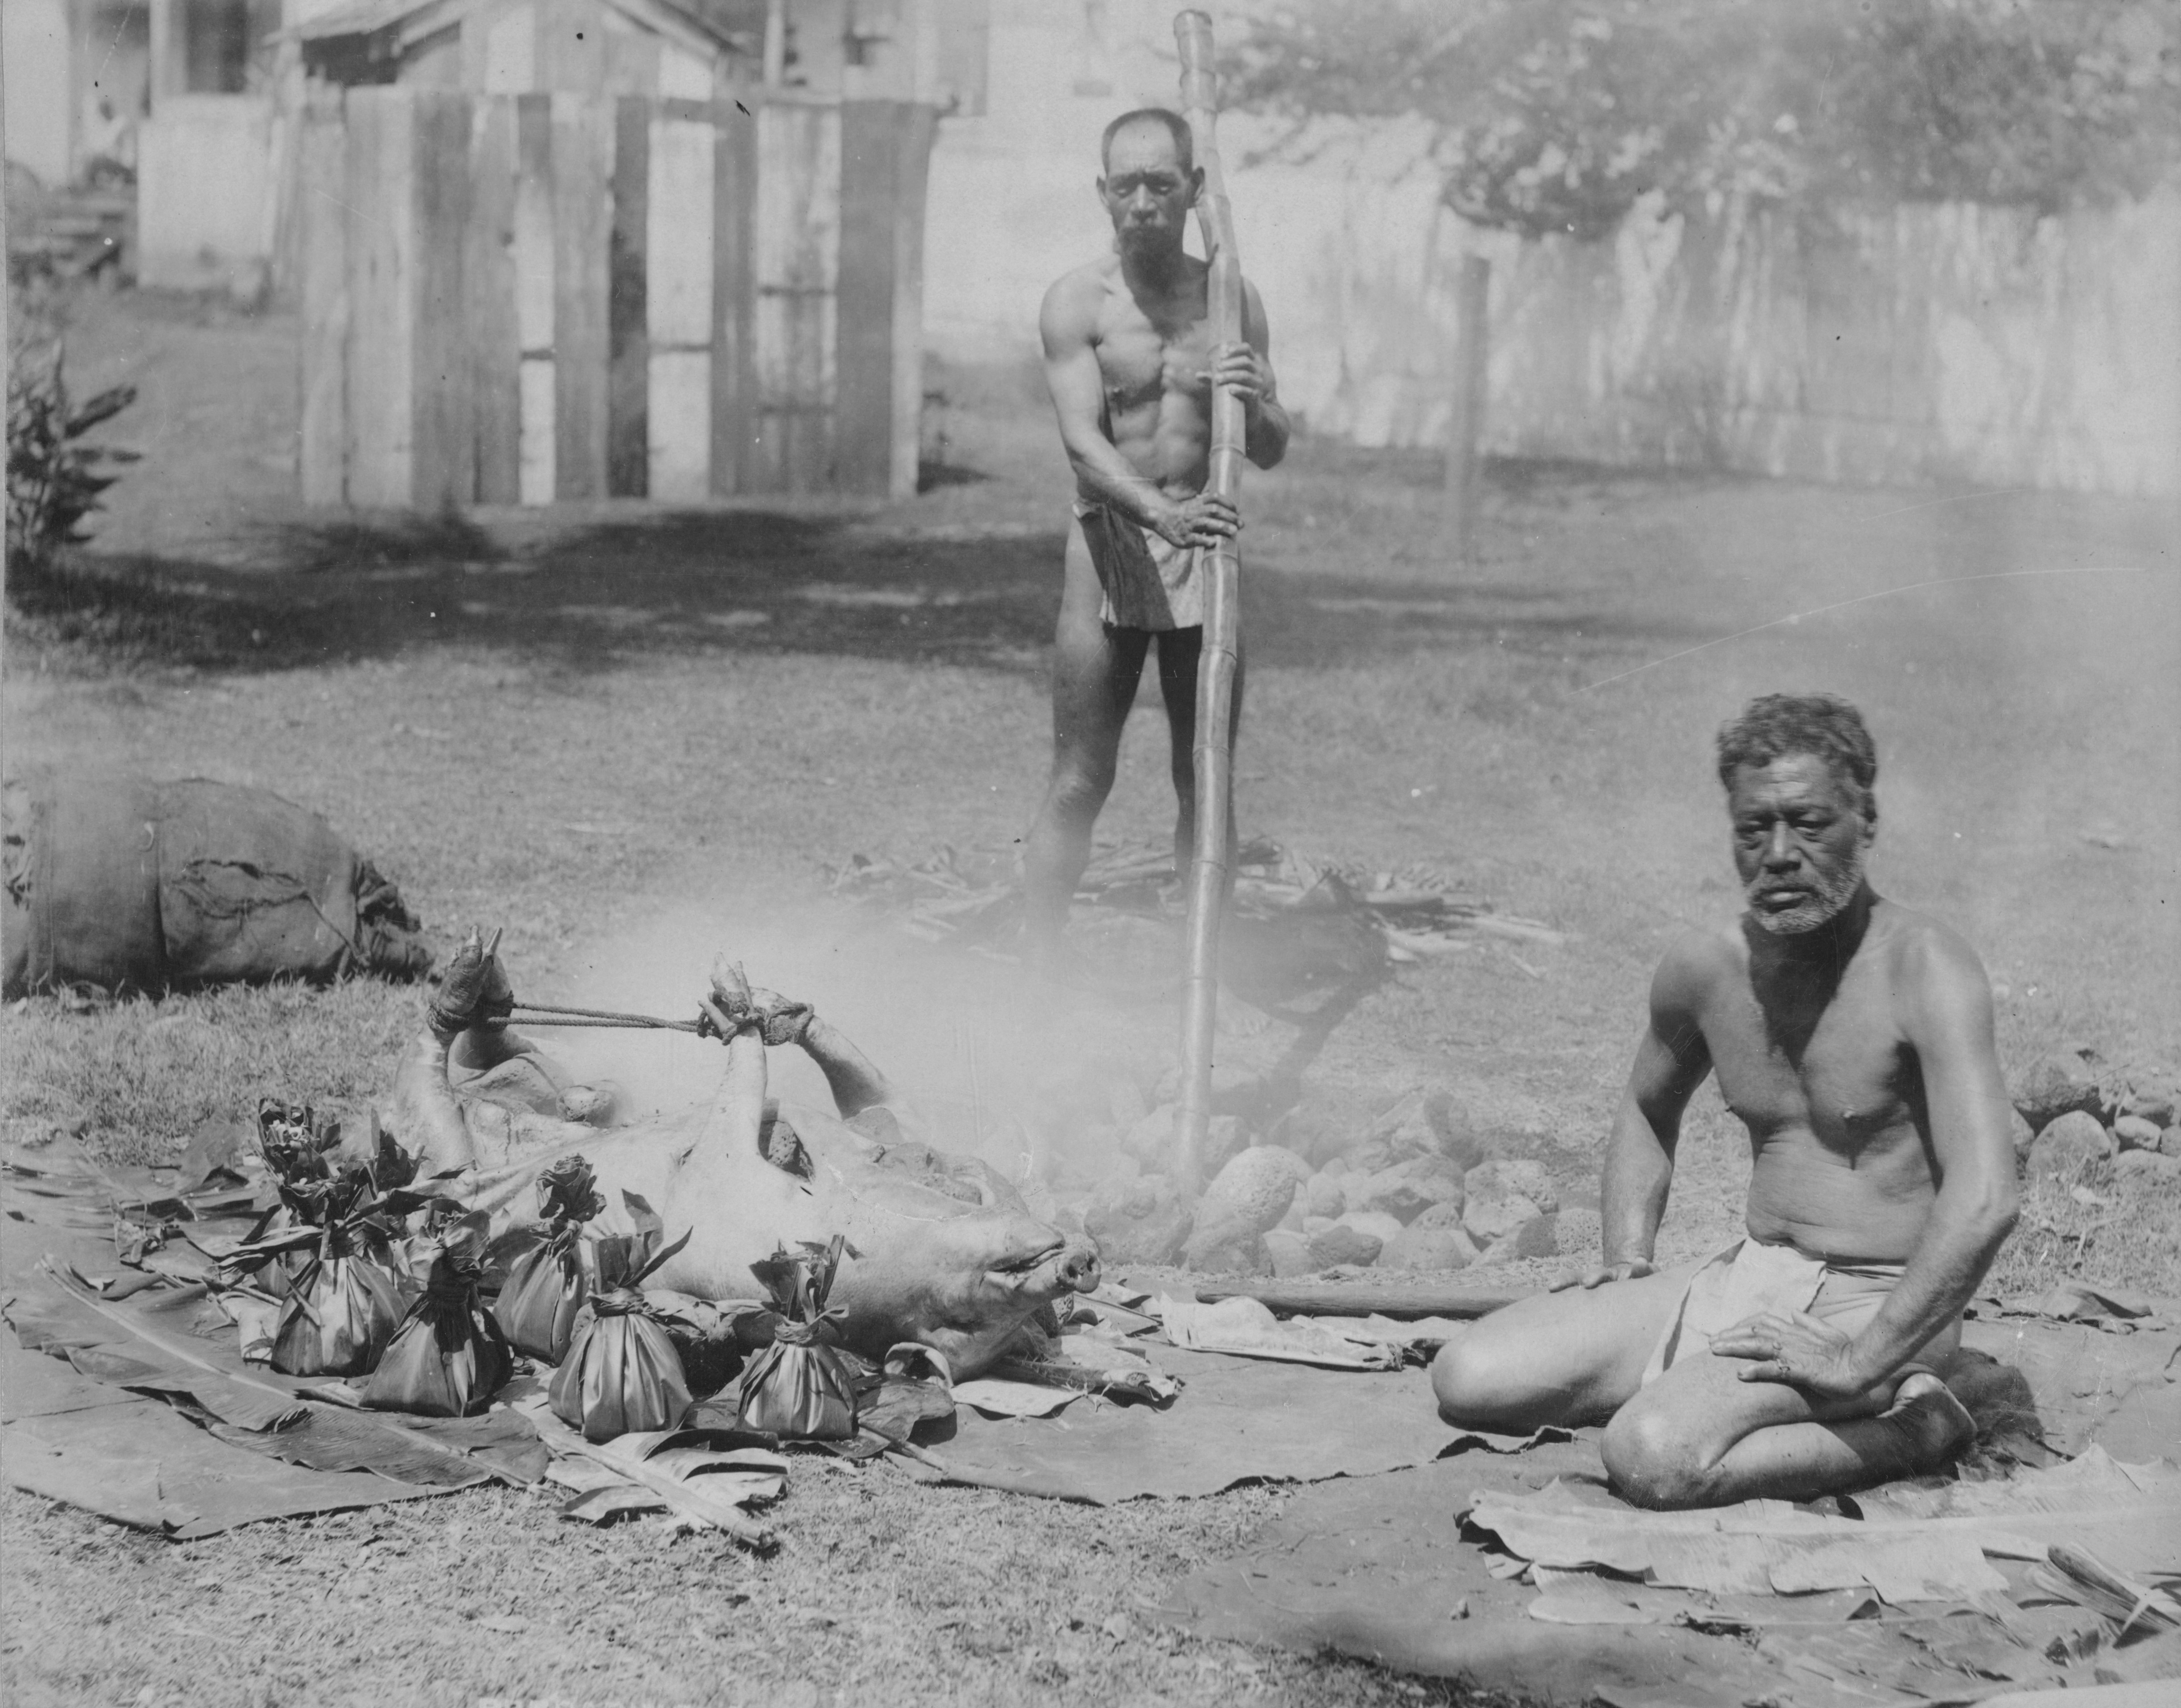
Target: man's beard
[1827, 899]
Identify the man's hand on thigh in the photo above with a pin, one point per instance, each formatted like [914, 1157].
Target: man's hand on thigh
[1797, 1348]
[1634, 1270]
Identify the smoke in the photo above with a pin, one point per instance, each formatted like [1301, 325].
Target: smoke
[999, 1065]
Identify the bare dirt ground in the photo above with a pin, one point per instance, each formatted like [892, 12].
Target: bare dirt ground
[634, 738]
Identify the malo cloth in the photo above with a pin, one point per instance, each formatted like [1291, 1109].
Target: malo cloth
[1150, 583]
[1752, 1276]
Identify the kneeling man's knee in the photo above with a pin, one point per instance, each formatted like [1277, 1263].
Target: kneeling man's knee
[1652, 1458]
[1471, 1384]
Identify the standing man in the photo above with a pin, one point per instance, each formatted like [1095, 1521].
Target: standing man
[1131, 367]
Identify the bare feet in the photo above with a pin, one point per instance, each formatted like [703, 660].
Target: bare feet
[1936, 1423]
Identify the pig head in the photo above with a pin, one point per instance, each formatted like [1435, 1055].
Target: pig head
[940, 1249]
[946, 1252]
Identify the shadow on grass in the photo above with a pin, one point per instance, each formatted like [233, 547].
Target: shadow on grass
[598, 595]
[931, 476]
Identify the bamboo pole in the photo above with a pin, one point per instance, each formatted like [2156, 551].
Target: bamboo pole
[1220, 567]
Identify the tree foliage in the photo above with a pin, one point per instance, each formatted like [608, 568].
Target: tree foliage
[1557, 115]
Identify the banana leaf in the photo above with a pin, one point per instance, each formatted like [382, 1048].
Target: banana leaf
[55, 1311]
[699, 1476]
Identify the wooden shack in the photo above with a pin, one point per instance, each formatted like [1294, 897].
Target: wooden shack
[525, 298]
[552, 249]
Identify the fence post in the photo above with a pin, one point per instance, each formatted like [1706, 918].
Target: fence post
[1464, 483]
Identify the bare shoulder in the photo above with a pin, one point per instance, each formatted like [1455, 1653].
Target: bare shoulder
[1940, 987]
[1942, 996]
[1696, 964]
[1928, 963]
[1074, 298]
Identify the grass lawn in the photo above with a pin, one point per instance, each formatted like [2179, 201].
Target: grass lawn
[634, 738]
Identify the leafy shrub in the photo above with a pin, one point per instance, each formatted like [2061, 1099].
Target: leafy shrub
[54, 479]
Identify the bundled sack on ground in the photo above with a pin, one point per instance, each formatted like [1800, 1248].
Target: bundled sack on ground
[802, 1387]
[331, 1249]
[549, 1283]
[621, 1372]
[127, 883]
[447, 1358]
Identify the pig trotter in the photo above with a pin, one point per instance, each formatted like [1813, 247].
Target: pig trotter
[474, 991]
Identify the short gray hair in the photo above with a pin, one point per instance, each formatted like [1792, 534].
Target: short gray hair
[1772, 726]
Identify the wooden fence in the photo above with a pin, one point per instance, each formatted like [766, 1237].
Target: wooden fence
[532, 298]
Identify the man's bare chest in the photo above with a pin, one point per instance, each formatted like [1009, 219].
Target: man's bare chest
[1143, 360]
[1843, 1072]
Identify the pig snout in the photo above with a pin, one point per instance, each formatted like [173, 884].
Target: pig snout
[1077, 1269]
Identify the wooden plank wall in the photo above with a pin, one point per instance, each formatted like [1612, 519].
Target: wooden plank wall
[628, 354]
[795, 262]
[531, 268]
[495, 333]
[734, 303]
[538, 298]
[885, 149]
[679, 205]
[321, 235]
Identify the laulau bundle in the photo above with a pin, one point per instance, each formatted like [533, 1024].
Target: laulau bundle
[299, 1146]
[326, 1249]
[547, 1286]
[449, 1358]
[801, 1387]
[621, 1372]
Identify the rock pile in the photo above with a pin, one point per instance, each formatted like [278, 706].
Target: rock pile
[1416, 1190]
[2074, 1113]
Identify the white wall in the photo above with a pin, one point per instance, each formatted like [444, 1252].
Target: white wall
[34, 58]
[204, 187]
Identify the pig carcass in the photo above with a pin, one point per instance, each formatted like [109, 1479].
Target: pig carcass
[942, 1249]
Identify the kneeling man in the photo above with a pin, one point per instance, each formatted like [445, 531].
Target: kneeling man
[1854, 1038]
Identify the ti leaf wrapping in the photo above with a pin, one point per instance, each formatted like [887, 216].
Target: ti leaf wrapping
[621, 1372]
[337, 1318]
[547, 1286]
[325, 1250]
[449, 1358]
[801, 1387]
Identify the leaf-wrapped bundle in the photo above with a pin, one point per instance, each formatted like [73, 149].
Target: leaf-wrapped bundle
[301, 1148]
[337, 1318]
[801, 1387]
[449, 1358]
[547, 1286]
[621, 1372]
[338, 1218]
